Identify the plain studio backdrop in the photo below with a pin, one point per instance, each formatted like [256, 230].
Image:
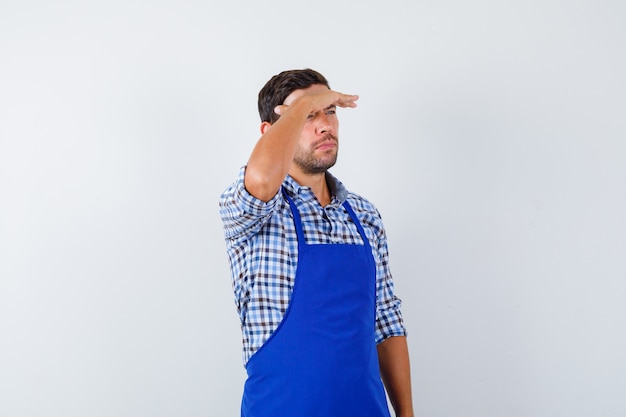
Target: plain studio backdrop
[490, 135]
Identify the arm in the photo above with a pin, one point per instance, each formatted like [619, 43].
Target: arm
[395, 371]
[273, 154]
[393, 354]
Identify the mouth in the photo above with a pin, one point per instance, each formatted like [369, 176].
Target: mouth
[329, 142]
[326, 145]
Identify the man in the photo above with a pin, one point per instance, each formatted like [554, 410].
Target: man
[321, 324]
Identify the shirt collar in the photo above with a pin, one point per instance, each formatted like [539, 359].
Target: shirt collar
[338, 191]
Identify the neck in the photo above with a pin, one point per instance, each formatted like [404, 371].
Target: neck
[317, 183]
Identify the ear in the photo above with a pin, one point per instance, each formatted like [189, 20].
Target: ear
[265, 126]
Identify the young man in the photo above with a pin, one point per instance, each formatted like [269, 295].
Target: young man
[309, 263]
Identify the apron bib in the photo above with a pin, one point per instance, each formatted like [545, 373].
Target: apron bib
[322, 360]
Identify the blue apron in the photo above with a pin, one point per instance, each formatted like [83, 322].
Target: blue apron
[322, 360]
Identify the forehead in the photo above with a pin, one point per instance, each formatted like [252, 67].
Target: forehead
[303, 91]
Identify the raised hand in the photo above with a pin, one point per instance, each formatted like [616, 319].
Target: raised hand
[318, 101]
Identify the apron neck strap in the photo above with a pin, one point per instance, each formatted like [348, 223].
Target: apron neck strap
[298, 222]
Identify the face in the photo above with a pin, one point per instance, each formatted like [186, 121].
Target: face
[318, 145]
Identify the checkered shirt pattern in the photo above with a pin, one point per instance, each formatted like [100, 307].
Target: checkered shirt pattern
[262, 247]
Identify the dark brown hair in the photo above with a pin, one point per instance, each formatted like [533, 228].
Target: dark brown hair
[276, 90]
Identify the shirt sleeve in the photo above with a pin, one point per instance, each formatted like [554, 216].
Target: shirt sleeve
[389, 321]
[243, 215]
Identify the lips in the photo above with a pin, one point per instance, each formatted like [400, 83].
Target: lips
[328, 142]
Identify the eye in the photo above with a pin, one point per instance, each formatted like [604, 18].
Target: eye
[331, 111]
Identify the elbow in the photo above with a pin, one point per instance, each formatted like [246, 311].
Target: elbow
[261, 186]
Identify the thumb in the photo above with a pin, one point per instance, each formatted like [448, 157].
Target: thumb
[280, 109]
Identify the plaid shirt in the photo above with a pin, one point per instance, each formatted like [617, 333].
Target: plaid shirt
[262, 247]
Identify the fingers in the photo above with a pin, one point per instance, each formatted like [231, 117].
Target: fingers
[347, 100]
[324, 99]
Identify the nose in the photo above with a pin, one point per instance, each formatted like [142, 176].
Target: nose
[323, 124]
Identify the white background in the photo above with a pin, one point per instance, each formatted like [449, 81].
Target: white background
[490, 134]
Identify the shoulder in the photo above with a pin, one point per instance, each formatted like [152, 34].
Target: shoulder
[358, 203]
[363, 208]
[366, 211]
[361, 204]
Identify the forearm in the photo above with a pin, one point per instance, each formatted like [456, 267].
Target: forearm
[273, 154]
[395, 371]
